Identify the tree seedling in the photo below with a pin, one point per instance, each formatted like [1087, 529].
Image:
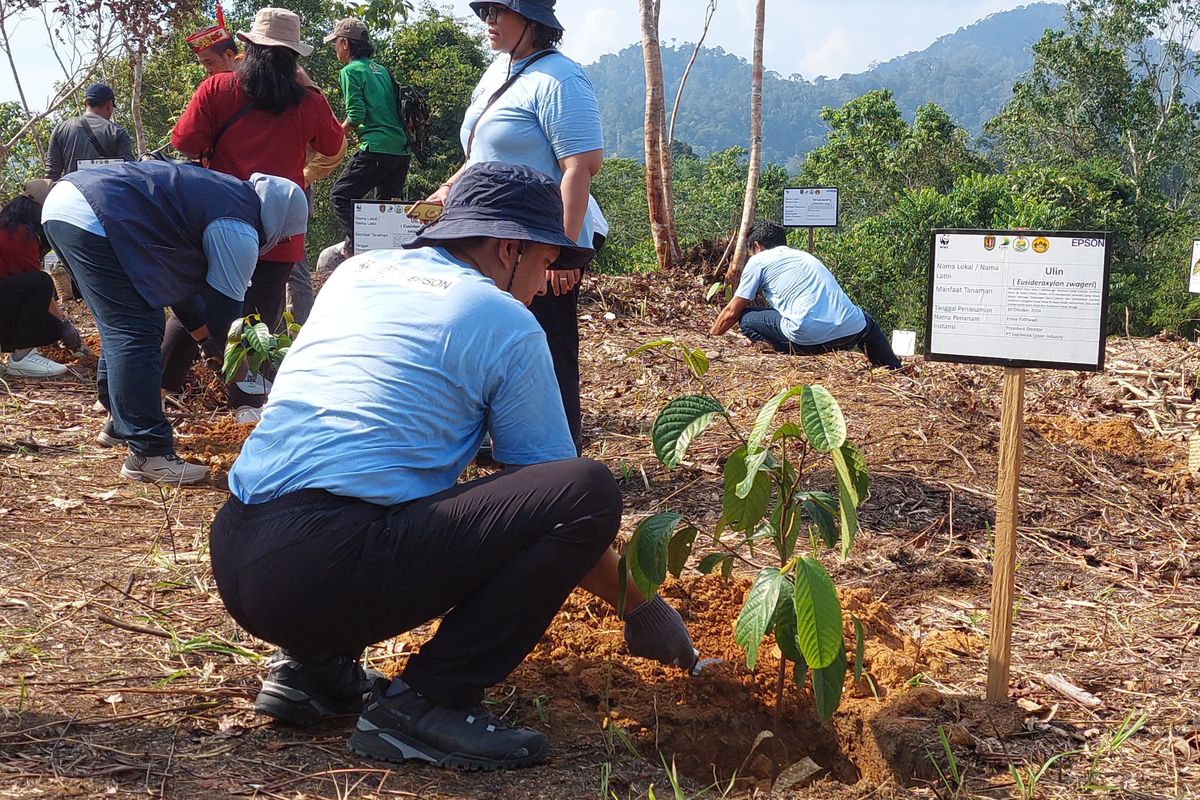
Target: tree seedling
[767, 499]
[251, 344]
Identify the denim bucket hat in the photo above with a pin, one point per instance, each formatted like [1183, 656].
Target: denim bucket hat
[505, 201]
[537, 10]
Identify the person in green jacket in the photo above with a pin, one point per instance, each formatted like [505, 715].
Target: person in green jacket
[381, 163]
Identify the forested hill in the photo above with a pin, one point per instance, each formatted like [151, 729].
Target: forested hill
[969, 73]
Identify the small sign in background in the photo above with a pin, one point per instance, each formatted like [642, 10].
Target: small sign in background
[810, 207]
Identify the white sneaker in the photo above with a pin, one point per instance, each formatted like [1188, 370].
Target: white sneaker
[162, 469]
[34, 365]
[330, 258]
[247, 414]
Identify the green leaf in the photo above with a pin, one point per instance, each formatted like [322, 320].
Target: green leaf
[647, 551]
[799, 670]
[857, 466]
[822, 419]
[742, 510]
[858, 649]
[712, 561]
[664, 342]
[766, 416]
[678, 423]
[818, 614]
[254, 360]
[712, 290]
[754, 465]
[848, 482]
[757, 610]
[234, 335]
[727, 568]
[696, 360]
[785, 624]
[679, 548]
[259, 338]
[820, 507]
[827, 684]
[235, 356]
[788, 430]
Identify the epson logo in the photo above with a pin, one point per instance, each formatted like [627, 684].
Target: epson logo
[1087, 243]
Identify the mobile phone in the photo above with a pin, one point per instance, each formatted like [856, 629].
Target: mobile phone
[423, 211]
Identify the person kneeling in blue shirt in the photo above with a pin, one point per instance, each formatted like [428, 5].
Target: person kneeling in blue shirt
[809, 312]
[347, 525]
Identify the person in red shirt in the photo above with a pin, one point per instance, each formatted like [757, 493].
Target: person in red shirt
[29, 316]
[261, 118]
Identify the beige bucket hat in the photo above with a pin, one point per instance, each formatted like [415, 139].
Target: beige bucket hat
[276, 27]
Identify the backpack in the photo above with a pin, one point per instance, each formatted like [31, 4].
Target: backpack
[414, 115]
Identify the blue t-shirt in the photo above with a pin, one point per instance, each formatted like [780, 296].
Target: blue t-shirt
[814, 308]
[409, 356]
[547, 114]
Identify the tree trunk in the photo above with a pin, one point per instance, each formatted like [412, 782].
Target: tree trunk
[135, 102]
[653, 134]
[668, 145]
[739, 252]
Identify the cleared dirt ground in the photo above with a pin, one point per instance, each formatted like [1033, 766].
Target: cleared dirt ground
[122, 676]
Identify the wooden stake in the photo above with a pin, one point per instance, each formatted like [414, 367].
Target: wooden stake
[810, 238]
[1008, 481]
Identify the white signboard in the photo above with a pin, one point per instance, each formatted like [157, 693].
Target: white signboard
[1194, 269]
[1018, 298]
[810, 207]
[92, 163]
[382, 226]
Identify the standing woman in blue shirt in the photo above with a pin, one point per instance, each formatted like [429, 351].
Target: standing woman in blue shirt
[536, 107]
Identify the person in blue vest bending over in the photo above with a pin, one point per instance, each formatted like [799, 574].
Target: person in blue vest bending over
[347, 524]
[809, 312]
[139, 237]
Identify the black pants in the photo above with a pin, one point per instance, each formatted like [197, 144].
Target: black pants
[25, 318]
[765, 325]
[265, 297]
[365, 172]
[325, 575]
[558, 316]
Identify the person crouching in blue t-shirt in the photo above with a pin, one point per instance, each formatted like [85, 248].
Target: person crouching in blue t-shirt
[347, 525]
[809, 312]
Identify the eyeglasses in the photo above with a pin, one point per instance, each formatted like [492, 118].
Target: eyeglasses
[491, 12]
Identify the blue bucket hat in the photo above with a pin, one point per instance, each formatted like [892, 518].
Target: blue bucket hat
[505, 201]
[537, 10]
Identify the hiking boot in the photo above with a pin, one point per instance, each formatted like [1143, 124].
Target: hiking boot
[162, 469]
[107, 437]
[302, 693]
[410, 726]
[34, 365]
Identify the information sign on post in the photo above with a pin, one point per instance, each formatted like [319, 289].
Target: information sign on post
[1194, 268]
[810, 207]
[1018, 298]
[382, 226]
[1015, 299]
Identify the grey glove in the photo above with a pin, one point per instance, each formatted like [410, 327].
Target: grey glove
[655, 630]
[69, 336]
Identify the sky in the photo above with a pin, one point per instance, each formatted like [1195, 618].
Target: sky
[804, 37]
